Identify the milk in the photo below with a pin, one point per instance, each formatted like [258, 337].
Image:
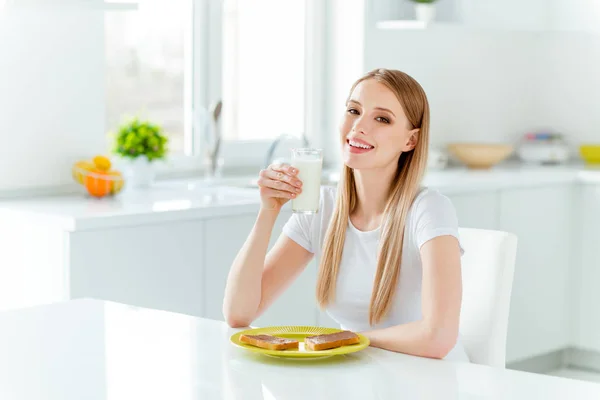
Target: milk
[309, 169]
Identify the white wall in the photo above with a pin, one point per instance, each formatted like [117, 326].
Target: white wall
[345, 63]
[51, 95]
[568, 84]
[515, 76]
[479, 83]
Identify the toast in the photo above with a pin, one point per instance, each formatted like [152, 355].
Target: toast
[270, 342]
[330, 341]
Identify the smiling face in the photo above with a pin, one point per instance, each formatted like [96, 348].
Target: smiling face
[375, 130]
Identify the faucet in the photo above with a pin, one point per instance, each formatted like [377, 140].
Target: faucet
[273, 146]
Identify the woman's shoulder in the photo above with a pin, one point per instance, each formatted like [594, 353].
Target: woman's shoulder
[432, 214]
[430, 200]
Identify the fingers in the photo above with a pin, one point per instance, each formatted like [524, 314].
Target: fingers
[284, 168]
[268, 192]
[282, 178]
[278, 185]
[283, 173]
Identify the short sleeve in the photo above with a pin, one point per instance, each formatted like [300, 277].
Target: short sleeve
[435, 216]
[299, 229]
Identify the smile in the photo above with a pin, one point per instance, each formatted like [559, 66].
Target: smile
[359, 145]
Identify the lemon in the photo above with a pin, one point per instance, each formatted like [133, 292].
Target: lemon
[102, 163]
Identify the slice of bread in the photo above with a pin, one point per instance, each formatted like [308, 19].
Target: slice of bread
[330, 341]
[270, 342]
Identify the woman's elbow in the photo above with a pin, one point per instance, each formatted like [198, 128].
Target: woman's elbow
[237, 323]
[441, 342]
[235, 320]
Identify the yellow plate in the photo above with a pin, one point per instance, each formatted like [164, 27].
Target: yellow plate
[298, 333]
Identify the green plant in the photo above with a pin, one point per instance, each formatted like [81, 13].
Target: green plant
[137, 138]
[424, 1]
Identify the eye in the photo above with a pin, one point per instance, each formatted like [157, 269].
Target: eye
[353, 111]
[382, 120]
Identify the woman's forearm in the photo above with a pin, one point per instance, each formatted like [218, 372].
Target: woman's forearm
[417, 338]
[243, 289]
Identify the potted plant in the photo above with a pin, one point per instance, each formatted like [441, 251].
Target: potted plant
[140, 144]
[425, 10]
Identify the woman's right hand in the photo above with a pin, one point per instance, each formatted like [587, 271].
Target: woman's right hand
[278, 184]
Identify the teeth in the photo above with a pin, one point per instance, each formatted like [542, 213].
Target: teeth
[362, 146]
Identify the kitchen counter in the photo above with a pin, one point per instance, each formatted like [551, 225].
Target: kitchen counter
[195, 199]
[94, 350]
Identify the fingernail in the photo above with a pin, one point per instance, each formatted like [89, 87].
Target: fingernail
[297, 190]
[293, 195]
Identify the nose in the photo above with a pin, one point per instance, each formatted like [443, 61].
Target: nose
[360, 126]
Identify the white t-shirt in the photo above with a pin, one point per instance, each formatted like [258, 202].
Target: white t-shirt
[430, 215]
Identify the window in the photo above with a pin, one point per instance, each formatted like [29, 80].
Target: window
[263, 73]
[171, 61]
[148, 67]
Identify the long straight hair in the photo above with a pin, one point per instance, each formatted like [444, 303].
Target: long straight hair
[403, 190]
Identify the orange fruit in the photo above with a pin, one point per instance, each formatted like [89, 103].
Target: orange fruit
[97, 183]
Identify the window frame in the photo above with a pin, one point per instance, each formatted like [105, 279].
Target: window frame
[205, 83]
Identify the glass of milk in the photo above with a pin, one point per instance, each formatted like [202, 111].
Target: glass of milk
[309, 163]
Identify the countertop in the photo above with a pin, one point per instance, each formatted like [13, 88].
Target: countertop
[94, 350]
[195, 198]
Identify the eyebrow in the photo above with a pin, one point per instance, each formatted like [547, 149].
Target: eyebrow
[376, 108]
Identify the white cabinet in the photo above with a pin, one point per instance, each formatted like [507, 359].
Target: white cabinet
[539, 312]
[156, 266]
[32, 265]
[588, 301]
[224, 237]
[476, 210]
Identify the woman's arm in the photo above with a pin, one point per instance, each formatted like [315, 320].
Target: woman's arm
[257, 279]
[436, 334]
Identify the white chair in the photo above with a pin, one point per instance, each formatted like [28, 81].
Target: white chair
[487, 273]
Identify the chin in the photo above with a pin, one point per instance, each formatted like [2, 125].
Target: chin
[356, 162]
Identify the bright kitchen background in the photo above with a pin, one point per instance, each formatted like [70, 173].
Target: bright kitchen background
[515, 67]
[493, 70]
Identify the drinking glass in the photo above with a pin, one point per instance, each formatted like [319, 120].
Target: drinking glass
[309, 163]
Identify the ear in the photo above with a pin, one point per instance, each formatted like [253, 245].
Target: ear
[413, 138]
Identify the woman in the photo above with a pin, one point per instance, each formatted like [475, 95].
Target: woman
[388, 248]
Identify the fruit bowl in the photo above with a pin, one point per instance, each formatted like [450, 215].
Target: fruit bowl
[480, 155]
[590, 153]
[97, 178]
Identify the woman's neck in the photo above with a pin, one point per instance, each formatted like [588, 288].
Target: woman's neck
[372, 189]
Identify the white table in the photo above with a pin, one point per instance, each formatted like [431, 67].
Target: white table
[94, 350]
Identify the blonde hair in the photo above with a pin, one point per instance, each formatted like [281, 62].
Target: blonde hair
[403, 190]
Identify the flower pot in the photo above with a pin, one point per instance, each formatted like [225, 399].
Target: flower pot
[139, 173]
[425, 12]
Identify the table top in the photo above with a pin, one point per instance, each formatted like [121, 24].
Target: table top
[95, 350]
